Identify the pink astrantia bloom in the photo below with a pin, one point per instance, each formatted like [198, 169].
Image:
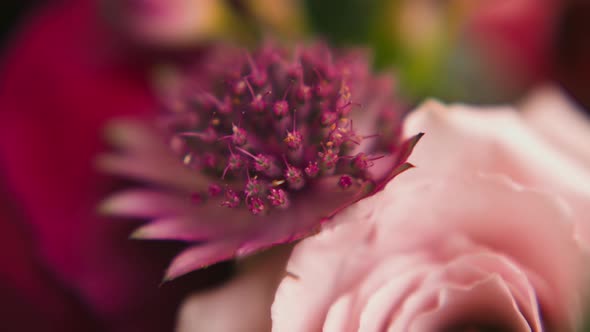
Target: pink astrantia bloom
[258, 149]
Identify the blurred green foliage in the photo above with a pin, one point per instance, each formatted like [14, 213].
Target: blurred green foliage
[442, 66]
[344, 22]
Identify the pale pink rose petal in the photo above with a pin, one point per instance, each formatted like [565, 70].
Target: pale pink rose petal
[427, 294]
[500, 142]
[488, 302]
[564, 126]
[487, 236]
[441, 291]
[516, 222]
[482, 236]
[521, 287]
[338, 314]
[380, 274]
[389, 298]
[316, 282]
[490, 140]
[462, 251]
[560, 121]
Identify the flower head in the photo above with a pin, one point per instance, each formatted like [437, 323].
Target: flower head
[289, 138]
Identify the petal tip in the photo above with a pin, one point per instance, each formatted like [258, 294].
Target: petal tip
[138, 234]
[106, 207]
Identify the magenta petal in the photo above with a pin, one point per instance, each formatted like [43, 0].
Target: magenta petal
[304, 217]
[203, 225]
[176, 228]
[166, 172]
[147, 204]
[200, 256]
[385, 169]
[144, 155]
[407, 147]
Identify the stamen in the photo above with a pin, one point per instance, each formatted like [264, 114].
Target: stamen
[294, 139]
[345, 182]
[232, 200]
[258, 78]
[239, 136]
[294, 176]
[278, 198]
[234, 162]
[214, 190]
[312, 169]
[256, 205]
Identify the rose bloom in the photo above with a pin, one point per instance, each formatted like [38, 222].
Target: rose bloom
[484, 234]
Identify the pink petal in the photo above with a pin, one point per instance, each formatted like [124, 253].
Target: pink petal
[303, 218]
[178, 228]
[144, 155]
[425, 296]
[491, 140]
[163, 171]
[389, 298]
[148, 204]
[200, 256]
[516, 280]
[302, 299]
[385, 169]
[499, 141]
[492, 212]
[203, 223]
[486, 302]
[549, 112]
[339, 314]
[380, 274]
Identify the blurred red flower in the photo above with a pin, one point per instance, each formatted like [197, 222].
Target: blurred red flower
[62, 267]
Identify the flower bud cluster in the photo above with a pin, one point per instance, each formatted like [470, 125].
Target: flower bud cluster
[268, 125]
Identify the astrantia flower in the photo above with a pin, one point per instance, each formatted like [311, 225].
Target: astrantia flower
[258, 149]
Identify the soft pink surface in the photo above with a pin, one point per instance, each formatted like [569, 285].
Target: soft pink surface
[484, 232]
[540, 146]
